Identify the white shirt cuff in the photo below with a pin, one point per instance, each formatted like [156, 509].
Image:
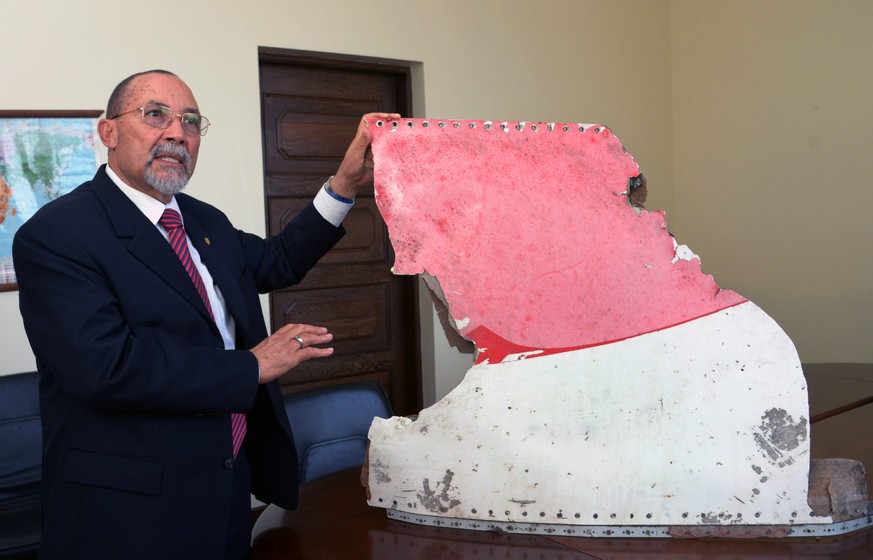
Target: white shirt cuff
[331, 209]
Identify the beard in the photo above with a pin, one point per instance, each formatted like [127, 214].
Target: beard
[173, 180]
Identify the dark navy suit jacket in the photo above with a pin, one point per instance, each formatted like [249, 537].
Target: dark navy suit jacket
[136, 386]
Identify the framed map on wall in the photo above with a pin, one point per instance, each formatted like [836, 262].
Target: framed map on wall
[43, 155]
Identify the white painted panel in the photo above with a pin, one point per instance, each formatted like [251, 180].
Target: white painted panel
[701, 423]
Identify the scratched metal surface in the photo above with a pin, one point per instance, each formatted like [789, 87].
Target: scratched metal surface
[649, 397]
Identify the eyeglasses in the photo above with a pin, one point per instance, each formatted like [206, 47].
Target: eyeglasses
[158, 116]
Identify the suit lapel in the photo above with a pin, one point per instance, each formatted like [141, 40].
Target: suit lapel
[144, 241]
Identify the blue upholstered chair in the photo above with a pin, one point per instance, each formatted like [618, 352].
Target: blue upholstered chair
[20, 465]
[330, 425]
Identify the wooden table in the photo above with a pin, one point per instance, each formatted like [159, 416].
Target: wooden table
[334, 522]
[831, 386]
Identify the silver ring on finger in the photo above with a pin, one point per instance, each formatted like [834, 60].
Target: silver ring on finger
[299, 340]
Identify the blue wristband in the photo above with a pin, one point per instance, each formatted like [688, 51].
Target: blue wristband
[329, 190]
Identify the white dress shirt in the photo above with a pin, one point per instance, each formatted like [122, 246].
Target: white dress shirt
[333, 210]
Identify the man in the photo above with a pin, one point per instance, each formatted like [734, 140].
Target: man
[150, 341]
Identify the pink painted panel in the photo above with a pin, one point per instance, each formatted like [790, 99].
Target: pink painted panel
[530, 232]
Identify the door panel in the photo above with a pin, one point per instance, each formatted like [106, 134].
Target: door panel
[366, 238]
[311, 106]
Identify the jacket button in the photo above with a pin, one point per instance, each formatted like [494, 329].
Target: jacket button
[228, 464]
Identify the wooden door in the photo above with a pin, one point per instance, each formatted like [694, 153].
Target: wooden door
[311, 105]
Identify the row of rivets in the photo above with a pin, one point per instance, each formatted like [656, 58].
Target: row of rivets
[560, 515]
[488, 125]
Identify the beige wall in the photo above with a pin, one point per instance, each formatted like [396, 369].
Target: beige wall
[773, 142]
[609, 61]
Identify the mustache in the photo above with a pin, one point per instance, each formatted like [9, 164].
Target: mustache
[172, 150]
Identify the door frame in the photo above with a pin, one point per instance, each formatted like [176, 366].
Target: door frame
[407, 72]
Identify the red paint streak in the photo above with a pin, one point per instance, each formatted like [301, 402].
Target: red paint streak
[494, 349]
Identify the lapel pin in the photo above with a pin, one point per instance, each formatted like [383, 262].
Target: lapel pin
[208, 242]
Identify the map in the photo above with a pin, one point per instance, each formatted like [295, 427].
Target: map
[40, 160]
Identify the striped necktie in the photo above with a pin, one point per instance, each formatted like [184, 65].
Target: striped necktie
[172, 223]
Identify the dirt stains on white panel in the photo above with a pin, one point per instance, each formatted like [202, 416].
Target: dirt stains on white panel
[645, 431]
